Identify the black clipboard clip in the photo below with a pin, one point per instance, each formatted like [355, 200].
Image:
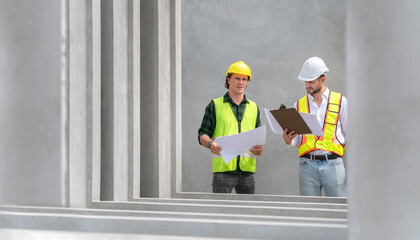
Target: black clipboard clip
[282, 106]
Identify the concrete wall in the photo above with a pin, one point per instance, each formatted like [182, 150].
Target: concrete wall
[31, 171]
[382, 63]
[274, 38]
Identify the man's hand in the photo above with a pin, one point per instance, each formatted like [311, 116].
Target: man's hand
[257, 150]
[288, 137]
[206, 140]
[214, 148]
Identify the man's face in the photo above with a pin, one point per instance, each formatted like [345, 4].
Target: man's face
[314, 86]
[237, 83]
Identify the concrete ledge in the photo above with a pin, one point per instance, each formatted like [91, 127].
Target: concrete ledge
[173, 226]
[243, 202]
[259, 197]
[19, 234]
[224, 209]
[160, 214]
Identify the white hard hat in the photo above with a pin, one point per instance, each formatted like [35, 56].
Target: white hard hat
[312, 69]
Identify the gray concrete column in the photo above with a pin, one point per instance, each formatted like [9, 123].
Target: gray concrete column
[107, 99]
[85, 101]
[156, 94]
[120, 116]
[383, 90]
[32, 170]
[120, 106]
[134, 99]
[149, 103]
[164, 97]
[80, 82]
[176, 96]
[96, 100]
[126, 95]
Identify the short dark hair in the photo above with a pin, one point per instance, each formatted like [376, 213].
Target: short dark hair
[226, 81]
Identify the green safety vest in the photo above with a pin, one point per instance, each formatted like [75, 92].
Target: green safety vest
[329, 141]
[227, 124]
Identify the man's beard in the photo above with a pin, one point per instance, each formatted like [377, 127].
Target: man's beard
[314, 91]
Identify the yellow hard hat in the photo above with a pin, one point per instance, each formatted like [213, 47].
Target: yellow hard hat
[239, 67]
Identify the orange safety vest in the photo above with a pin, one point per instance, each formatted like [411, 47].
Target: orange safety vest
[329, 141]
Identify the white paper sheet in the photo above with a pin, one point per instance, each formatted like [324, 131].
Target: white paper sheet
[312, 123]
[274, 125]
[234, 145]
[310, 120]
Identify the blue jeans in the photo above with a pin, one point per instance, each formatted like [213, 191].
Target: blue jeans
[225, 182]
[328, 174]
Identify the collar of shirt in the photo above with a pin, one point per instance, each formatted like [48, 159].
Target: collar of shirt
[226, 98]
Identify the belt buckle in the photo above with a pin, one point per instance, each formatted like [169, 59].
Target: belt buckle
[319, 157]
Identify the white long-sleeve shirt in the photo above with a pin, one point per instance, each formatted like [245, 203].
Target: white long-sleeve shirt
[320, 115]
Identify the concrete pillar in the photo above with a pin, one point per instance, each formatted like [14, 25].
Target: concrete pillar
[134, 99]
[120, 115]
[32, 170]
[164, 97]
[107, 98]
[96, 100]
[105, 94]
[85, 100]
[149, 104]
[81, 95]
[156, 93]
[120, 109]
[383, 90]
[126, 95]
[176, 97]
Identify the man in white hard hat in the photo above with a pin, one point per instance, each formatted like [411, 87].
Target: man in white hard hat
[321, 163]
[231, 114]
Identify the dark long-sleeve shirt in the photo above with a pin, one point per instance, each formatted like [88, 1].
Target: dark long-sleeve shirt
[209, 120]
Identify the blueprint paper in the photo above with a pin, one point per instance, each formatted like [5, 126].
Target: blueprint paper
[234, 145]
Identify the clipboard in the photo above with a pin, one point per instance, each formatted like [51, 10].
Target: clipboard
[290, 118]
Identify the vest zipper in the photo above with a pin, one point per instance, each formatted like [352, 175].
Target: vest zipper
[239, 131]
[238, 159]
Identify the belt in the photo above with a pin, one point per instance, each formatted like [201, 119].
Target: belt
[321, 157]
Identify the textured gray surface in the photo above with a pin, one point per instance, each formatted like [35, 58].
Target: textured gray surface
[274, 38]
[80, 221]
[30, 99]
[383, 66]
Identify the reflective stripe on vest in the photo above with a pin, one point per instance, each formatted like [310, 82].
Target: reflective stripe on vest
[329, 141]
[227, 124]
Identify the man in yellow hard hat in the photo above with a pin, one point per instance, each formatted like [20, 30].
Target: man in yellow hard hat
[321, 164]
[231, 114]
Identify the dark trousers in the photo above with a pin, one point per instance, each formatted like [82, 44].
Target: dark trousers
[225, 182]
